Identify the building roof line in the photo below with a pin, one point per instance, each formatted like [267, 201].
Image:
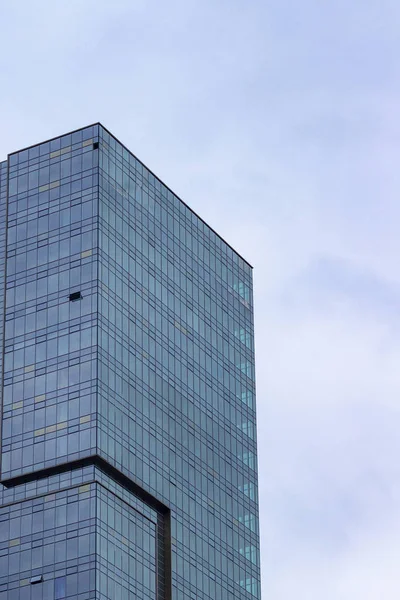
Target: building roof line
[146, 167]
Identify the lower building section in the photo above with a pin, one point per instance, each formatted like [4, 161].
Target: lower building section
[126, 550]
[83, 534]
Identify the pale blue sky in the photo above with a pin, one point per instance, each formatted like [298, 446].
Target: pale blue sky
[278, 122]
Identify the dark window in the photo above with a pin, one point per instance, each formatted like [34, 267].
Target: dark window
[37, 579]
[75, 296]
[95, 145]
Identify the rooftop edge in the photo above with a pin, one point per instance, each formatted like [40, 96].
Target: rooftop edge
[146, 167]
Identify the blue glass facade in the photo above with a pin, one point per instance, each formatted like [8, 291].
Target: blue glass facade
[128, 409]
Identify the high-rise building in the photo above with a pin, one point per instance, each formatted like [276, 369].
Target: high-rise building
[128, 445]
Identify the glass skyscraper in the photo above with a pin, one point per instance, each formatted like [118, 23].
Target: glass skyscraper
[128, 429]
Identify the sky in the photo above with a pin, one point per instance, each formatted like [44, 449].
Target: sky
[278, 122]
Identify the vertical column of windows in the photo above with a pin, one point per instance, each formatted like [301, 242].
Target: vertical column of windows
[126, 550]
[50, 341]
[177, 376]
[3, 220]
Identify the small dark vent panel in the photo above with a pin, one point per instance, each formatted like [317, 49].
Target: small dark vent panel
[75, 296]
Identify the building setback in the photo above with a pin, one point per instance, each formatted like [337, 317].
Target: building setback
[128, 444]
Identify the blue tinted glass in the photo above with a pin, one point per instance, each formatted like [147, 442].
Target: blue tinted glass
[150, 373]
[59, 588]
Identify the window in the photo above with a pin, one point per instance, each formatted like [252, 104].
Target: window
[75, 296]
[59, 588]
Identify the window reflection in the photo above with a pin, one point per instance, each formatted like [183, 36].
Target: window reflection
[59, 588]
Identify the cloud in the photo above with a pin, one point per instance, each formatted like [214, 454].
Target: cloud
[328, 414]
[336, 285]
[278, 122]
